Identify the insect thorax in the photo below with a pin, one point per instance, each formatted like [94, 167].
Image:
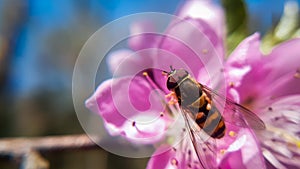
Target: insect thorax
[188, 92]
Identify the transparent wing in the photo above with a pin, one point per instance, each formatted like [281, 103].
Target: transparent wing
[204, 145]
[235, 113]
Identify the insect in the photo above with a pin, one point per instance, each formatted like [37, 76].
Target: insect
[199, 105]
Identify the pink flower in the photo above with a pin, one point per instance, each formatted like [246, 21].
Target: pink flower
[269, 85]
[133, 105]
[233, 152]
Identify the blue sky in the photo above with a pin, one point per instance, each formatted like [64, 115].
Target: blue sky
[48, 15]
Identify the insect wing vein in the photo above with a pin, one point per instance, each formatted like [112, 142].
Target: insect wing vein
[235, 113]
[204, 149]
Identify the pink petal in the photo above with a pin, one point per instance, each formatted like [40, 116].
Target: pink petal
[285, 85]
[277, 74]
[284, 65]
[192, 43]
[285, 58]
[246, 52]
[126, 62]
[143, 36]
[161, 160]
[243, 153]
[241, 59]
[207, 11]
[147, 129]
[126, 104]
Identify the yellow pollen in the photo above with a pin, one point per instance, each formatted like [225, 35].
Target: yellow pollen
[205, 51]
[283, 134]
[208, 106]
[232, 133]
[145, 73]
[222, 151]
[298, 144]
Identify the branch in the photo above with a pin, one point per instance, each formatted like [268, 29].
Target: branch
[21, 146]
[28, 148]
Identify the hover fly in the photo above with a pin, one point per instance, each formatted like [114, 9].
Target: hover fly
[199, 106]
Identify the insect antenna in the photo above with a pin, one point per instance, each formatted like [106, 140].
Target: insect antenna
[171, 67]
[165, 73]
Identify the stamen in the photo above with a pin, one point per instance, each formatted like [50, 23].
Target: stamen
[270, 109]
[137, 129]
[169, 109]
[231, 84]
[222, 151]
[282, 133]
[150, 80]
[174, 161]
[272, 159]
[232, 133]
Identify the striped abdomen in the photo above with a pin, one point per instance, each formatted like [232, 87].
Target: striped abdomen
[191, 97]
[211, 121]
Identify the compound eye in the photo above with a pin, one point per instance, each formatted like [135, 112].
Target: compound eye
[171, 83]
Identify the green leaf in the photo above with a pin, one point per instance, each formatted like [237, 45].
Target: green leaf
[236, 20]
[287, 28]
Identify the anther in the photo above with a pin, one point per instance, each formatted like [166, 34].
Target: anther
[133, 123]
[270, 109]
[232, 133]
[145, 73]
[231, 84]
[222, 151]
[204, 51]
[161, 114]
[148, 78]
[174, 162]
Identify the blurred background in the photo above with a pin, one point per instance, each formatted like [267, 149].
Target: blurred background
[39, 43]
